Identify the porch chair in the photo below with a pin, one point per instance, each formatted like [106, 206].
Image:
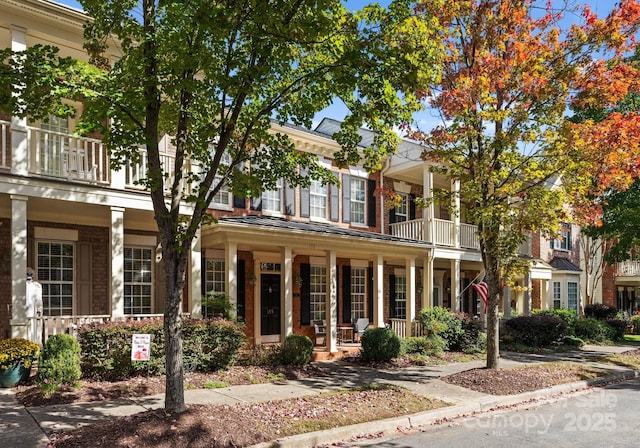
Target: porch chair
[320, 331]
[361, 326]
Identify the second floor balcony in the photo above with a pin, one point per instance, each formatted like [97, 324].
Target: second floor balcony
[628, 268]
[84, 160]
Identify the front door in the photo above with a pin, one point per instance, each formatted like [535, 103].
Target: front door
[269, 304]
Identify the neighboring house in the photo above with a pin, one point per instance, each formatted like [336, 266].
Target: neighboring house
[285, 259]
[621, 286]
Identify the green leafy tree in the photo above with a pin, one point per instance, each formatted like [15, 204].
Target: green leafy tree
[509, 75]
[213, 75]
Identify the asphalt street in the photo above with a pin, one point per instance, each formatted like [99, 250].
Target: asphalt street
[600, 417]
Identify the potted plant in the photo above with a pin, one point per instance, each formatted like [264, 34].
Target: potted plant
[16, 357]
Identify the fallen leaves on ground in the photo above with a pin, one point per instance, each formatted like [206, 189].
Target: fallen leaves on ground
[249, 423]
[523, 379]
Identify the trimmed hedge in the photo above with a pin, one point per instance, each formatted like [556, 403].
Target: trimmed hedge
[600, 311]
[380, 344]
[594, 330]
[568, 316]
[59, 363]
[619, 328]
[297, 350]
[208, 345]
[537, 330]
[635, 321]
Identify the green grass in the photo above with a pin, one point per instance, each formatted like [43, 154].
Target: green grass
[215, 384]
[632, 338]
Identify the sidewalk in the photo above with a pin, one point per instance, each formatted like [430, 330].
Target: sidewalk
[27, 427]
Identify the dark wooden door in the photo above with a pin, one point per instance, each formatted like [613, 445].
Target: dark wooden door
[269, 304]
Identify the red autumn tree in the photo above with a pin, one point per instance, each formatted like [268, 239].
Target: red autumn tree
[510, 74]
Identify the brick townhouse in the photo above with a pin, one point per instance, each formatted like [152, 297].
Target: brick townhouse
[286, 259]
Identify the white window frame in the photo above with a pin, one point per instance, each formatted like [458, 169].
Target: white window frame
[62, 284]
[318, 200]
[318, 292]
[214, 275]
[358, 289]
[573, 297]
[358, 201]
[402, 210]
[223, 200]
[401, 297]
[275, 197]
[564, 242]
[557, 296]
[138, 284]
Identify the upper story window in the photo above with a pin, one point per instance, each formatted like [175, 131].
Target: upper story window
[272, 199]
[402, 210]
[358, 200]
[223, 198]
[564, 241]
[318, 200]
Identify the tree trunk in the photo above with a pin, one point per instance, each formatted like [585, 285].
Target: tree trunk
[494, 284]
[174, 390]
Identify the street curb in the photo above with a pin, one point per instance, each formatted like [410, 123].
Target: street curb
[408, 422]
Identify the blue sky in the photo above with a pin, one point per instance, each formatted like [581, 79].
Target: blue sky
[426, 119]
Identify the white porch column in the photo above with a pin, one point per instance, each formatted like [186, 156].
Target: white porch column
[428, 213]
[527, 293]
[117, 262]
[287, 286]
[545, 294]
[195, 273]
[410, 265]
[427, 281]
[19, 266]
[440, 282]
[455, 205]
[506, 293]
[455, 285]
[378, 292]
[19, 147]
[231, 272]
[332, 301]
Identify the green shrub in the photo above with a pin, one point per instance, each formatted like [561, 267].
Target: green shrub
[472, 340]
[635, 321]
[619, 328]
[593, 330]
[536, 330]
[216, 304]
[568, 316]
[297, 350]
[441, 322]
[600, 311]
[208, 345]
[261, 355]
[380, 344]
[572, 341]
[423, 345]
[59, 363]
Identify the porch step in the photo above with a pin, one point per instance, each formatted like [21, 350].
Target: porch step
[322, 355]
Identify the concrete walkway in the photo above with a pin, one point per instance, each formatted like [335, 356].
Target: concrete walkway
[27, 427]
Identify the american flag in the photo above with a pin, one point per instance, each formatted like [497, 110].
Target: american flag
[482, 289]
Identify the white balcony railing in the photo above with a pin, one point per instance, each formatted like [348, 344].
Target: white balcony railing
[469, 236]
[54, 154]
[5, 148]
[411, 230]
[443, 232]
[628, 268]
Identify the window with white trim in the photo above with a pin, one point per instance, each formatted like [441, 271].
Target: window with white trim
[138, 262]
[272, 199]
[557, 296]
[214, 275]
[358, 292]
[401, 297]
[318, 200]
[318, 289]
[358, 200]
[572, 296]
[564, 241]
[402, 210]
[55, 273]
[223, 197]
